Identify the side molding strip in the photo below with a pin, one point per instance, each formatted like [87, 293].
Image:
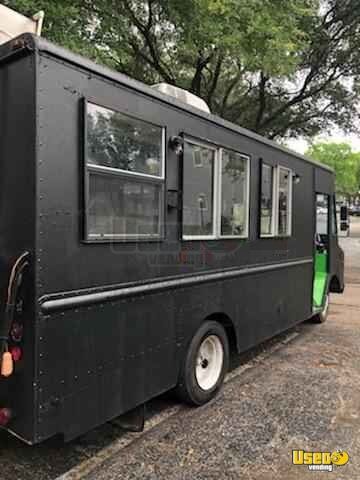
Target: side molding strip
[70, 300]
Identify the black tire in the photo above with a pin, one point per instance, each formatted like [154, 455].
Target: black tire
[322, 316]
[188, 388]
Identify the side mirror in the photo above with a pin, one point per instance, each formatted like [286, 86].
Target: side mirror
[344, 219]
[344, 213]
[320, 245]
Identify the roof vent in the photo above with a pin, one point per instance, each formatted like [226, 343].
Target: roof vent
[182, 95]
[13, 24]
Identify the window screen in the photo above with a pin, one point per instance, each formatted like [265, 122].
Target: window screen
[123, 206]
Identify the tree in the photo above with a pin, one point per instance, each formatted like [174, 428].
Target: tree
[64, 24]
[343, 160]
[279, 67]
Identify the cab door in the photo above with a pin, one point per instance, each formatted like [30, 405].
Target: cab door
[321, 251]
[337, 283]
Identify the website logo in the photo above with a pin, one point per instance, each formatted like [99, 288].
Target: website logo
[320, 461]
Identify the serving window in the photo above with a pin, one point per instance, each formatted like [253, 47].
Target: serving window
[215, 192]
[124, 176]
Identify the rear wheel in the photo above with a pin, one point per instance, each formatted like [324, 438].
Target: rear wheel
[205, 364]
[322, 316]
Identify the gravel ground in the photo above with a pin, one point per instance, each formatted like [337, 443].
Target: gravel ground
[301, 390]
[304, 396]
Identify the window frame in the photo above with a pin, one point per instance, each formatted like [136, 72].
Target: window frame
[198, 165]
[275, 202]
[217, 190]
[143, 178]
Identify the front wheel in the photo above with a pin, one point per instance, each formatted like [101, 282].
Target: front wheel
[205, 364]
[322, 316]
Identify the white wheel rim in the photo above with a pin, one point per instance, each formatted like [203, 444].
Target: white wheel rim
[209, 362]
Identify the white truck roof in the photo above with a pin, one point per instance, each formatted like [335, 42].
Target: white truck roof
[182, 95]
[13, 24]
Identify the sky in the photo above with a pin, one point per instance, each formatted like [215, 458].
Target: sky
[301, 145]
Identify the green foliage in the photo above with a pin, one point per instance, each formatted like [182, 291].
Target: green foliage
[279, 67]
[64, 24]
[343, 160]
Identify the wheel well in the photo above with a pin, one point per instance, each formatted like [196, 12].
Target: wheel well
[228, 324]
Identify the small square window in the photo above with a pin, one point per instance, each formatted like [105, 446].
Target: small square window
[203, 202]
[198, 158]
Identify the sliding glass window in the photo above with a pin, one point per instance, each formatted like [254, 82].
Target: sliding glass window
[234, 194]
[267, 200]
[124, 176]
[198, 190]
[284, 202]
[275, 201]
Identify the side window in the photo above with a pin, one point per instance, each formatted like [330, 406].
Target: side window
[275, 201]
[322, 214]
[267, 200]
[215, 192]
[198, 190]
[234, 194]
[284, 201]
[124, 176]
